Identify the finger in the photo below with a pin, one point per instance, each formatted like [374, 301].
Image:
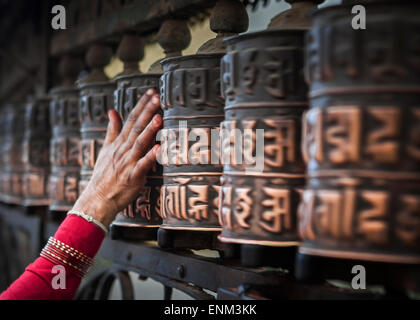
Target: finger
[146, 139]
[143, 120]
[114, 126]
[135, 113]
[145, 164]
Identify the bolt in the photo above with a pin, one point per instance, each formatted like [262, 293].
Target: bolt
[181, 271]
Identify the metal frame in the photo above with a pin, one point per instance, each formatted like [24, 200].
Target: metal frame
[184, 270]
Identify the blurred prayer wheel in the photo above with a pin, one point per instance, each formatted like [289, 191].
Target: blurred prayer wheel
[193, 109]
[362, 135]
[96, 98]
[65, 140]
[3, 109]
[12, 164]
[7, 126]
[36, 152]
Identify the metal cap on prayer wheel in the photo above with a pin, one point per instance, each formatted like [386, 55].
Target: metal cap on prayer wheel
[361, 135]
[36, 152]
[65, 140]
[265, 92]
[96, 98]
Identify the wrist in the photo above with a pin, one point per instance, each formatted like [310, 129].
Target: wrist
[95, 206]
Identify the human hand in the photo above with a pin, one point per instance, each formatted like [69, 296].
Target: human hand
[128, 153]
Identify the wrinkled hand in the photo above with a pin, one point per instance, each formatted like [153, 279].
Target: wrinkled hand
[128, 153]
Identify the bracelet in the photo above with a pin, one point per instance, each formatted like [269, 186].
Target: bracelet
[89, 219]
[60, 253]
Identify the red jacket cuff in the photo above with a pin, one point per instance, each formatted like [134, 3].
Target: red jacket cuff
[80, 235]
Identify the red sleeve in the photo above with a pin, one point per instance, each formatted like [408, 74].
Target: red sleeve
[36, 282]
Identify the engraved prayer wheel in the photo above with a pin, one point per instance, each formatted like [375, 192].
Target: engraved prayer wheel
[96, 98]
[265, 92]
[192, 108]
[264, 172]
[192, 111]
[144, 211]
[36, 143]
[362, 135]
[65, 140]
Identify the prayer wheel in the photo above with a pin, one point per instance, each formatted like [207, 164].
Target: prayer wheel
[190, 95]
[141, 218]
[65, 140]
[264, 172]
[96, 98]
[12, 165]
[362, 135]
[192, 111]
[7, 126]
[37, 134]
[16, 159]
[265, 97]
[3, 109]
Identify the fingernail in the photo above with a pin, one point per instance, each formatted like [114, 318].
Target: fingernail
[157, 119]
[149, 92]
[156, 100]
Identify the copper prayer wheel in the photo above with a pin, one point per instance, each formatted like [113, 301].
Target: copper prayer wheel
[36, 152]
[362, 135]
[265, 92]
[144, 211]
[192, 111]
[65, 139]
[192, 107]
[96, 98]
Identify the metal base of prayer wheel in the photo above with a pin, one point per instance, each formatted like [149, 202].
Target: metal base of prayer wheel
[361, 140]
[188, 239]
[396, 278]
[133, 232]
[255, 256]
[141, 219]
